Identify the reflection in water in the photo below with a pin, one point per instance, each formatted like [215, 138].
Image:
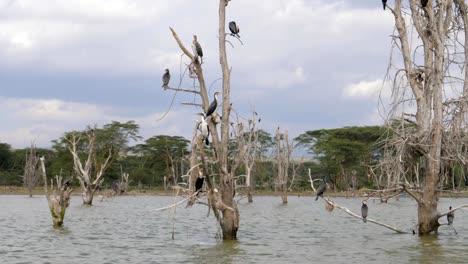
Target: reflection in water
[124, 230]
[429, 249]
[222, 252]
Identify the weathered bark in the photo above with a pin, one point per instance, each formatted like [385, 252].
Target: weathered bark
[58, 197]
[222, 199]
[283, 156]
[428, 217]
[91, 174]
[227, 187]
[31, 173]
[88, 196]
[249, 194]
[432, 24]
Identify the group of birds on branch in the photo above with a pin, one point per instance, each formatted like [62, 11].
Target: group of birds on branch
[198, 52]
[423, 3]
[365, 209]
[203, 124]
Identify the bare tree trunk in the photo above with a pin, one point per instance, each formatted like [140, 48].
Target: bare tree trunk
[230, 223]
[222, 199]
[89, 181]
[248, 181]
[426, 83]
[31, 172]
[58, 196]
[88, 196]
[283, 156]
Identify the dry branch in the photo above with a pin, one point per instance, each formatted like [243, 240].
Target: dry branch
[58, 196]
[173, 205]
[346, 210]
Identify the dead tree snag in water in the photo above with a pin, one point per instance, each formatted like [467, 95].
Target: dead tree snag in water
[283, 157]
[431, 138]
[58, 196]
[91, 174]
[216, 161]
[31, 173]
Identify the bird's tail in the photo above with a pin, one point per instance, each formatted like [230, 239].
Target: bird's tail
[207, 142]
[316, 198]
[364, 219]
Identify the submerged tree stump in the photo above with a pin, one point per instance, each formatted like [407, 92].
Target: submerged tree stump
[58, 196]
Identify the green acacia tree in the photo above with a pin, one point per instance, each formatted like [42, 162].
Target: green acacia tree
[344, 152]
[167, 152]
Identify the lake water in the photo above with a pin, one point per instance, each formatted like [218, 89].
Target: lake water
[125, 230]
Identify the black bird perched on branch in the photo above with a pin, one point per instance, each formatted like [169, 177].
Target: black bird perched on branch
[199, 184]
[204, 129]
[213, 105]
[424, 3]
[321, 189]
[67, 182]
[384, 2]
[166, 78]
[364, 210]
[234, 29]
[450, 216]
[197, 49]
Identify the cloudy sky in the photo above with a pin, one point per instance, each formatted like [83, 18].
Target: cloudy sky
[304, 65]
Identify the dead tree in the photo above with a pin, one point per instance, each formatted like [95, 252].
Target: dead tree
[221, 196]
[91, 174]
[283, 158]
[247, 147]
[122, 184]
[31, 170]
[58, 196]
[435, 132]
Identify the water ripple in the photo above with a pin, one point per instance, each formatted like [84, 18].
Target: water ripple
[123, 230]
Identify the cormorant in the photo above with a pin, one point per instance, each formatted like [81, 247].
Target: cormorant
[234, 29]
[364, 210]
[197, 48]
[204, 129]
[166, 78]
[450, 216]
[321, 189]
[199, 184]
[213, 105]
[384, 2]
[67, 182]
[424, 3]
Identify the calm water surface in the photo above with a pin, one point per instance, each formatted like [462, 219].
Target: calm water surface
[125, 230]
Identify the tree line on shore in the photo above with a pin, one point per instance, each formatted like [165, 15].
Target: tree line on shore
[343, 155]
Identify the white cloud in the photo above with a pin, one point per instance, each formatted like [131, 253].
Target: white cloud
[306, 45]
[364, 89]
[41, 120]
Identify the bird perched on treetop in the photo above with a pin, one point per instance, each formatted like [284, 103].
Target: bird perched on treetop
[384, 2]
[234, 29]
[199, 184]
[197, 49]
[321, 189]
[166, 78]
[424, 3]
[204, 129]
[364, 210]
[213, 105]
[450, 216]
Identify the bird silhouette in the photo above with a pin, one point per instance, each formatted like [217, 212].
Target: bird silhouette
[321, 189]
[364, 210]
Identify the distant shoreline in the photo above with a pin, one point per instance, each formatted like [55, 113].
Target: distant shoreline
[16, 190]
